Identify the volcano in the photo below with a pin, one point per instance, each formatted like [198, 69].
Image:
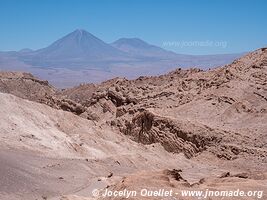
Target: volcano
[77, 48]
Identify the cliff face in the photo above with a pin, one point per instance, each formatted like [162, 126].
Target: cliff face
[221, 110]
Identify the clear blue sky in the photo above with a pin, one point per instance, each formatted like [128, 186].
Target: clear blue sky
[240, 25]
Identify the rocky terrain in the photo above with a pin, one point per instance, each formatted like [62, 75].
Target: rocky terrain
[188, 129]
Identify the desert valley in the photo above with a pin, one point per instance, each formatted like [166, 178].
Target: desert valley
[188, 129]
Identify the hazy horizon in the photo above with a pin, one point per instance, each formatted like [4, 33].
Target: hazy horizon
[185, 27]
[164, 45]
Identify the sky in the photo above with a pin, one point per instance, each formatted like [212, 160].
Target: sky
[183, 26]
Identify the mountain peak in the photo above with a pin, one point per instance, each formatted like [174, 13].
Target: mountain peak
[138, 47]
[81, 31]
[79, 45]
[135, 42]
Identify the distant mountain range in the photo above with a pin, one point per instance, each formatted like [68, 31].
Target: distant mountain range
[81, 57]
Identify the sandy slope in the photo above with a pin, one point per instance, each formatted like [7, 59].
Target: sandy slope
[48, 152]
